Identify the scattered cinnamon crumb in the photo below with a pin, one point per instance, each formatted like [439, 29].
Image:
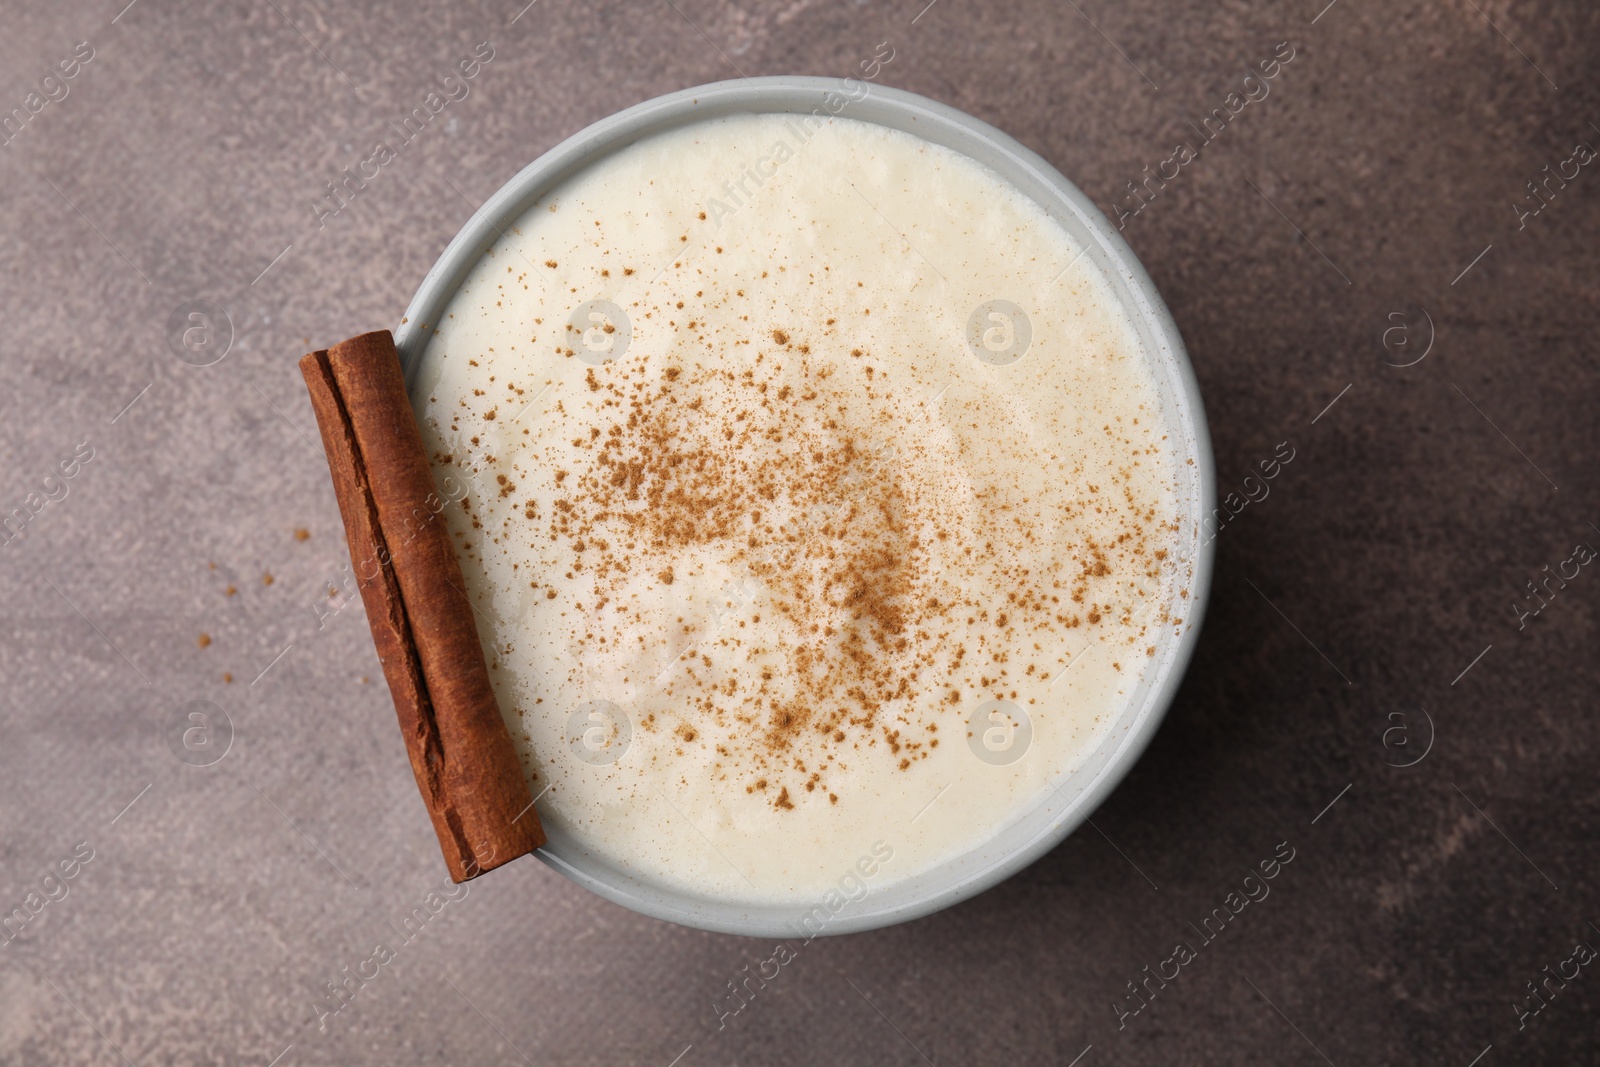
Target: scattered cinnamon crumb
[797, 468]
[205, 640]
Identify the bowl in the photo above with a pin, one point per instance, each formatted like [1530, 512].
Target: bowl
[1077, 792]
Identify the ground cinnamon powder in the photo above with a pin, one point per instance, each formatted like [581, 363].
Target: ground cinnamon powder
[836, 504]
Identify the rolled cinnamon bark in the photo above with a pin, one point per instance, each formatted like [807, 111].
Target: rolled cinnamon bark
[417, 606]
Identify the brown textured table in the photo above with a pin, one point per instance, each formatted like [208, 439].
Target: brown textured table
[1363, 613]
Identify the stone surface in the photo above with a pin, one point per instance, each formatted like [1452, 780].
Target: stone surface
[1377, 578]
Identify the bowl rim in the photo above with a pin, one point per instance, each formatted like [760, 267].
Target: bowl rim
[1063, 201]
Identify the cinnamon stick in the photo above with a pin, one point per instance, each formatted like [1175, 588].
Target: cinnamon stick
[417, 606]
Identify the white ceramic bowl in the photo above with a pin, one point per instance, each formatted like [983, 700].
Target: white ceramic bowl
[1079, 792]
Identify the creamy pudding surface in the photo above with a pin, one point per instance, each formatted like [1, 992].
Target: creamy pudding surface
[817, 494]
